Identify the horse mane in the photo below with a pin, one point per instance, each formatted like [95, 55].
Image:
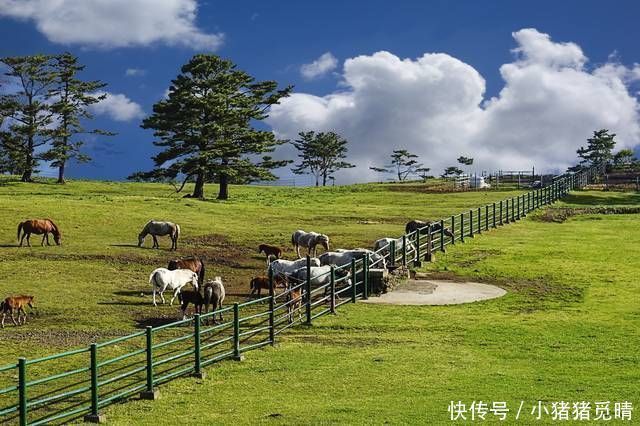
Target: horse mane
[56, 231]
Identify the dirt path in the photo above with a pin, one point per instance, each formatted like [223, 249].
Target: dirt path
[436, 292]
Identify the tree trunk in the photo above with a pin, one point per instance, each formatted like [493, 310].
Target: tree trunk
[223, 193]
[324, 179]
[61, 173]
[28, 167]
[198, 191]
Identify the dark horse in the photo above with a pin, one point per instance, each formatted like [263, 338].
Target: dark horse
[414, 225]
[39, 226]
[192, 263]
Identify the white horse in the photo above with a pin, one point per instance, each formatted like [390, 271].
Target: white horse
[156, 228]
[288, 267]
[382, 246]
[321, 275]
[164, 279]
[309, 240]
[343, 257]
[214, 294]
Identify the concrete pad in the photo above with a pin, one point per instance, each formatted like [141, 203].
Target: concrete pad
[437, 292]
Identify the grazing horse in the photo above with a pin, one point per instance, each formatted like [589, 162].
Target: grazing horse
[194, 297]
[39, 226]
[16, 303]
[414, 225]
[270, 251]
[193, 263]
[382, 245]
[259, 283]
[164, 279]
[343, 257]
[156, 228]
[309, 240]
[214, 295]
[283, 267]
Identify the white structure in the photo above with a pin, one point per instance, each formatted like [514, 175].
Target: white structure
[478, 182]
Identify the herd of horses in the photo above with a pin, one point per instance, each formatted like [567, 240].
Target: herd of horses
[182, 272]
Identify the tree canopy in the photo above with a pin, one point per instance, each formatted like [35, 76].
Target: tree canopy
[403, 164]
[205, 126]
[321, 154]
[599, 149]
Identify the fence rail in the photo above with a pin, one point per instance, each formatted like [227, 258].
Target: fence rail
[80, 382]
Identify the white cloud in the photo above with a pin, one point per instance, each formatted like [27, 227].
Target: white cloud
[435, 106]
[115, 23]
[324, 64]
[135, 72]
[117, 106]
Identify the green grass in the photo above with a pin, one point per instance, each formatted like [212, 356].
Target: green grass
[566, 330]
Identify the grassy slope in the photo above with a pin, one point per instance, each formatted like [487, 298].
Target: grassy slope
[567, 330]
[90, 287]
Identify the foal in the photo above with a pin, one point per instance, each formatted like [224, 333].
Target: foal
[270, 251]
[190, 296]
[259, 283]
[16, 303]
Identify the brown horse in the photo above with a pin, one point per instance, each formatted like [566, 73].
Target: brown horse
[16, 303]
[259, 283]
[270, 251]
[192, 263]
[39, 226]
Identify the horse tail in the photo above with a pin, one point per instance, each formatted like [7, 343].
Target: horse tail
[20, 225]
[201, 274]
[177, 232]
[152, 279]
[293, 239]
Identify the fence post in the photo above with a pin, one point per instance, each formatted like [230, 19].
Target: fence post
[196, 340]
[494, 214]
[429, 254]
[404, 250]
[354, 280]
[453, 229]
[518, 208]
[501, 223]
[272, 303]
[513, 209]
[308, 291]
[486, 217]
[237, 356]
[365, 279]
[150, 392]
[479, 220]
[392, 252]
[462, 227]
[471, 223]
[94, 416]
[442, 235]
[418, 261]
[22, 390]
[332, 302]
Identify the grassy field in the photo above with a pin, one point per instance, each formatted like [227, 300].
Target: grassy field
[566, 331]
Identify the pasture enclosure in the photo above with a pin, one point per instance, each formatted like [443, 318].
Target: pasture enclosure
[82, 381]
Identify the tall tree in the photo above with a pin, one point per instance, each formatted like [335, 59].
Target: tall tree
[625, 159]
[599, 149]
[403, 164]
[465, 161]
[321, 154]
[205, 126]
[423, 172]
[24, 104]
[71, 99]
[451, 171]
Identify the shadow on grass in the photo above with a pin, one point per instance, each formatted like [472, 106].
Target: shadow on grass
[155, 321]
[603, 198]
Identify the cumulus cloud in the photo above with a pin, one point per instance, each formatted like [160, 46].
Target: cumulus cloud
[117, 106]
[135, 72]
[115, 23]
[321, 66]
[435, 106]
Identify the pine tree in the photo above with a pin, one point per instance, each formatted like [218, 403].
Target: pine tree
[205, 126]
[72, 97]
[598, 150]
[26, 110]
[403, 164]
[321, 154]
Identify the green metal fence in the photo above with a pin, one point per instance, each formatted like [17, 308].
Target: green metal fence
[78, 383]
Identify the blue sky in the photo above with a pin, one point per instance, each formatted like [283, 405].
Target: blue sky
[272, 40]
